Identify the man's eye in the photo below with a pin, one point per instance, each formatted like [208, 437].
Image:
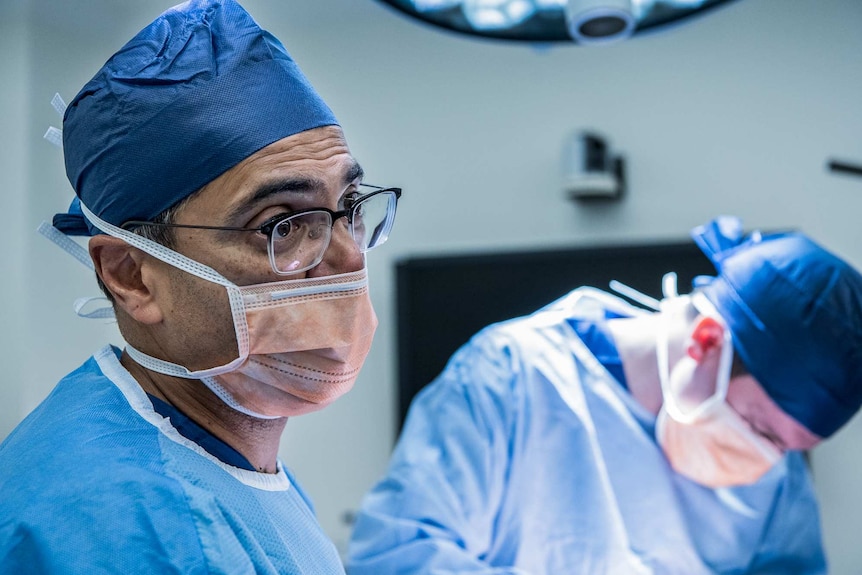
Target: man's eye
[282, 229]
[350, 199]
[277, 226]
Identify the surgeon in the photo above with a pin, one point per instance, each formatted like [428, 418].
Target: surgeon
[228, 224]
[596, 437]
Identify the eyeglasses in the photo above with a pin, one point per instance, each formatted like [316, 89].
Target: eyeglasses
[298, 240]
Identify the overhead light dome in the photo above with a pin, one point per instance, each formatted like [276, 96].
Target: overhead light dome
[547, 21]
[599, 21]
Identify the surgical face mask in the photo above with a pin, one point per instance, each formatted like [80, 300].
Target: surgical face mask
[300, 342]
[709, 443]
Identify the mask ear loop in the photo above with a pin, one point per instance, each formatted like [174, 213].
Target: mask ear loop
[189, 265]
[229, 400]
[669, 288]
[204, 272]
[705, 307]
[67, 244]
[104, 312]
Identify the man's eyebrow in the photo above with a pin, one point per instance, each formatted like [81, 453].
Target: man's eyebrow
[287, 185]
[354, 173]
[271, 188]
[284, 185]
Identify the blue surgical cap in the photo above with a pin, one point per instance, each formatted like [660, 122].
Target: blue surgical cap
[193, 94]
[795, 313]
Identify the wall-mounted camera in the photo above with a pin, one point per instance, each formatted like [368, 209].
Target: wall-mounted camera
[590, 170]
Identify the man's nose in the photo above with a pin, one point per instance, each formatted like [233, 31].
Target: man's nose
[342, 255]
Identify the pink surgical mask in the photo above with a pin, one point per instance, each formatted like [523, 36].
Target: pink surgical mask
[300, 342]
[710, 443]
[307, 340]
[716, 450]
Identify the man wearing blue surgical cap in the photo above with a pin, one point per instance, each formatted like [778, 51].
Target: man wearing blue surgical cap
[228, 226]
[595, 437]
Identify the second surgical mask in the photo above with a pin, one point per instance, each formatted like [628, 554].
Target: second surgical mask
[710, 443]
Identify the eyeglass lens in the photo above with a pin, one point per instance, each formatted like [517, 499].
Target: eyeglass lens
[298, 242]
[372, 219]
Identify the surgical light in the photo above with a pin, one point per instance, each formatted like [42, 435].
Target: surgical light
[497, 14]
[550, 21]
[426, 5]
[594, 21]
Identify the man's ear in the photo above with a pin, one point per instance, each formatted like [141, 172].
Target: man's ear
[119, 266]
[707, 337]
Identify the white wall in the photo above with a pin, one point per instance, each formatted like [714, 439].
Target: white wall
[734, 113]
[14, 66]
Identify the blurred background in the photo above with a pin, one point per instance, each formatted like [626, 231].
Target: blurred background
[737, 112]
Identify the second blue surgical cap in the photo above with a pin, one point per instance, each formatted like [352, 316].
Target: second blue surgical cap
[795, 312]
[193, 94]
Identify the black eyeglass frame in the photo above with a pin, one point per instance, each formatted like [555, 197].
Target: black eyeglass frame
[268, 227]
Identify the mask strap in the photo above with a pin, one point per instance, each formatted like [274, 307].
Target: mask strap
[55, 135]
[67, 244]
[157, 250]
[59, 104]
[669, 289]
[176, 370]
[661, 352]
[228, 399]
[725, 361]
[205, 376]
[78, 252]
[705, 307]
[635, 295]
[198, 269]
[105, 312]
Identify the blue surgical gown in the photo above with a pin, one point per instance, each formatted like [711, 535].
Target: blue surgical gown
[95, 481]
[525, 456]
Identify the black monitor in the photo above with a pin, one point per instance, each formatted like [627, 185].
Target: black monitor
[443, 300]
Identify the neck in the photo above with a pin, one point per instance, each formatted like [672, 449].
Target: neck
[636, 344]
[256, 439]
